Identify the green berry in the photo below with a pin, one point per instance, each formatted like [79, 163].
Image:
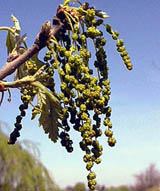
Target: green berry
[116, 33]
[83, 38]
[98, 160]
[111, 141]
[114, 36]
[109, 133]
[103, 42]
[91, 176]
[74, 36]
[109, 29]
[120, 43]
[89, 165]
[106, 122]
[67, 53]
[76, 29]
[83, 107]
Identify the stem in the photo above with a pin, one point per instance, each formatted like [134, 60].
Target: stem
[7, 29]
[19, 83]
[40, 42]
[32, 80]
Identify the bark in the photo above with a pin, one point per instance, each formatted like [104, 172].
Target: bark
[41, 41]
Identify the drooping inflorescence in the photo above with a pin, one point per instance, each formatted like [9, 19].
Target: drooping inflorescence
[82, 103]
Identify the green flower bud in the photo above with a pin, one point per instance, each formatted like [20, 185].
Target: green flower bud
[116, 33]
[106, 122]
[97, 160]
[109, 29]
[76, 28]
[91, 176]
[67, 53]
[68, 68]
[120, 43]
[109, 133]
[89, 165]
[103, 42]
[83, 107]
[84, 116]
[111, 141]
[83, 38]
[74, 36]
[121, 49]
[114, 36]
[124, 53]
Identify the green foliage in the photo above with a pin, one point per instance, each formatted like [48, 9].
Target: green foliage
[10, 42]
[79, 187]
[119, 188]
[155, 188]
[49, 116]
[21, 171]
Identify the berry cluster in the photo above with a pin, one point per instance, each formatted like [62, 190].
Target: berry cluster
[120, 47]
[18, 126]
[84, 90]
[65, 141]
[84, 97]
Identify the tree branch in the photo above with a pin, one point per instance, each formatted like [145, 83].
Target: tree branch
[41, 41]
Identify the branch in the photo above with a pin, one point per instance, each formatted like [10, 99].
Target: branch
[41, 41]
[33, 81]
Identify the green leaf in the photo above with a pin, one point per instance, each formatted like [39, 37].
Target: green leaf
[42, 99]
[16, 25]
[66, 2]
[49, 116]
[13, 35]
[10, 42]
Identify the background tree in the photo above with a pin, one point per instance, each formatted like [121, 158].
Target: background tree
[79, 187]
[119, 188]
[148, 180]
[21, 171]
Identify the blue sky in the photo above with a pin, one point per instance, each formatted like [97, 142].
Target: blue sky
[135, 95]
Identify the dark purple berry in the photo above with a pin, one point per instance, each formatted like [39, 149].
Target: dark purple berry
[63, 143]
[23, 113]
[62, 135]
[18, 126]
[18, 119]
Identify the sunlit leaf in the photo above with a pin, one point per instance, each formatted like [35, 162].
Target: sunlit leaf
[42, 99]
[16, 24]
[10, 42]
[66, 2]
[49, 116]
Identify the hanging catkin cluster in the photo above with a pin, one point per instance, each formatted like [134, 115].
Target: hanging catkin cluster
[84, 84]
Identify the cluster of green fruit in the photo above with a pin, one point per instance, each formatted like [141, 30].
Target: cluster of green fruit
[84, 97]
[84, 94]
[120, 47]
